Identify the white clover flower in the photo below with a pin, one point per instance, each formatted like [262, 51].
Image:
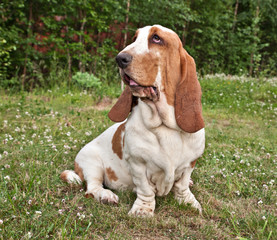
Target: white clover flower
[260, 202]
[263, 217]
[66, 146]
[30, 202]
[7, 178]
[60, 211]
[1, 221]
[88, 133]
[38, 212]
[5, 153]
[68, 134]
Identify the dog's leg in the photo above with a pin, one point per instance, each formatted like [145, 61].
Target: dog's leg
[145, 203]
[92, 172]
[94, 177]
[182, 191]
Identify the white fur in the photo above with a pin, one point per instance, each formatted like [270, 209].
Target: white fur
[140, 46]
[72, 177]
[157, 154]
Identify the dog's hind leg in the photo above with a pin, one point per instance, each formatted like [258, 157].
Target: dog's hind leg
[94, 176]
[95, 187]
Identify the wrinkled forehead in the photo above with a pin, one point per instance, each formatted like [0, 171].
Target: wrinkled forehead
[141, 44]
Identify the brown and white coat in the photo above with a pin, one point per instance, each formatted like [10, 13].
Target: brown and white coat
[154, 151]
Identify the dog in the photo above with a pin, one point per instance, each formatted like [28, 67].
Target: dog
[159, 134]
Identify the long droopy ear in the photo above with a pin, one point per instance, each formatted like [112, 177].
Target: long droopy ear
[188, 108]
[122, 107]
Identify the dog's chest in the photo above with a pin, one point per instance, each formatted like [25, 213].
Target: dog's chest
[160, 148]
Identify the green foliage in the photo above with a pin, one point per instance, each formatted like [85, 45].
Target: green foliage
[5, 60]
[86, 80]
[230, 36]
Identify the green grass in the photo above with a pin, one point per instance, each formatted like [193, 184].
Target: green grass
[235, 180]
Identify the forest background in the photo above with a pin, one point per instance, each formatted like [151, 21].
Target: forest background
[45, 43]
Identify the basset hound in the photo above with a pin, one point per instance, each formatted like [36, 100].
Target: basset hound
[160, 131]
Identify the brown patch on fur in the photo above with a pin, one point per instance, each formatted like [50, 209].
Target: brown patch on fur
[116, 141]
[169, 61]
[188, 108]
[89, 195]
[144, 68]
[63, 176]
[192, 164]
[111, 174]
[78, 170]
[179, 80]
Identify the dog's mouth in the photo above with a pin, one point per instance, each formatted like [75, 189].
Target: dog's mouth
[137, 87]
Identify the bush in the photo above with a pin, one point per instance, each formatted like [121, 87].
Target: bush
[5, 60]
[86, 80]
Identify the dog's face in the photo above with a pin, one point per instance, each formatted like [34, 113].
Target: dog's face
[155, 67]
[144, 64]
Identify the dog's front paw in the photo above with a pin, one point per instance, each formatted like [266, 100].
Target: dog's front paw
[104, 196]
[142, 209]
[187, 197]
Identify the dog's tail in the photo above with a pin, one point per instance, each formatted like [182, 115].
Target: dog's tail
[70, 176]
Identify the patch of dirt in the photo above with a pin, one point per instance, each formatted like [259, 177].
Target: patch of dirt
[104, 104]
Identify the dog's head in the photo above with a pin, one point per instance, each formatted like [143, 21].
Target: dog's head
[156, 63]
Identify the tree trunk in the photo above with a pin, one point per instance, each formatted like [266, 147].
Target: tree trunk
[235, 16]
[96, 54]
[126, 32]
[83, 19]
[255, 32]
[184, 35]
[29, 33]
[69, 63]
[126, 23]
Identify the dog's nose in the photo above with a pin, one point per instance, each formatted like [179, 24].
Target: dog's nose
[123, 60]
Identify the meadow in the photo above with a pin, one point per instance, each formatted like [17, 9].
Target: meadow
[235, 180]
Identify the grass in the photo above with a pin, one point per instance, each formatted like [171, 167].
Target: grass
[235, 180]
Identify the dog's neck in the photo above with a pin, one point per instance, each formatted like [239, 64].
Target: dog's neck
[155, 114]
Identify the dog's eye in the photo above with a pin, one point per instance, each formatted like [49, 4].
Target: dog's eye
[156, 39]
